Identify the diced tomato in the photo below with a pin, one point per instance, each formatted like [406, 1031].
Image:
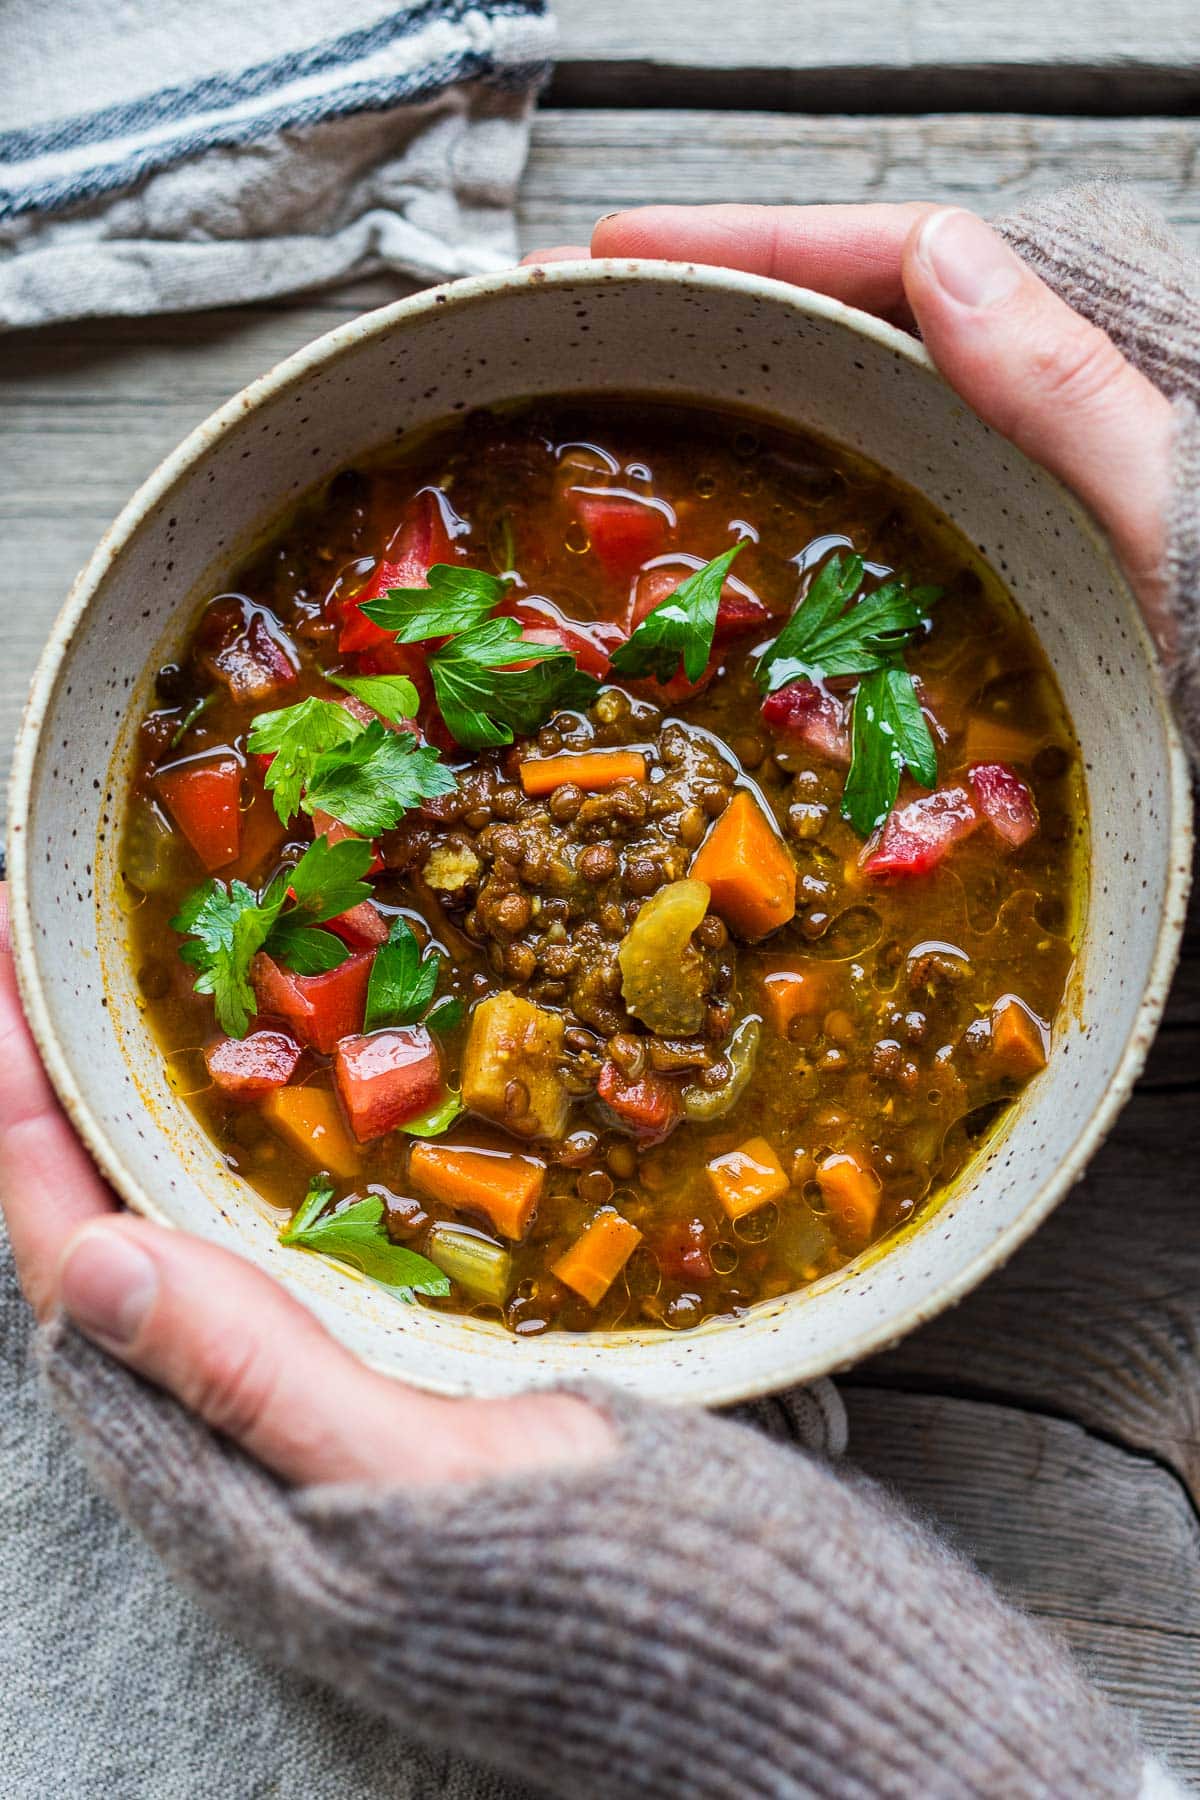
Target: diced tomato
[740, 608]
[915, 838]
[321, 1009]
[387, 1078]
[649, 1107]
[363, 927]
[420, 541]
[811, 715]
[1005, 801]
[243, 1067]
[591, 641]
[203, 796]
[739, 611]
[247, 648]
[625, 529]
[681, 1249]
[326, 826]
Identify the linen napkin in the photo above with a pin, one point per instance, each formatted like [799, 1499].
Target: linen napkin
[160, 155]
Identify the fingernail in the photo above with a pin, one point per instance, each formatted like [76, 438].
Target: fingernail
[967, 259]
[108, 1286]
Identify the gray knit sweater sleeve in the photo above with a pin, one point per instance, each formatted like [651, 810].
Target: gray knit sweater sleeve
[707, 1613]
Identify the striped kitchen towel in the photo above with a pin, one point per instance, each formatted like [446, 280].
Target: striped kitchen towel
[160, 155]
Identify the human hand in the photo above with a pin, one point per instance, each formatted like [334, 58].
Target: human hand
[1045, 377]
[224, 1338]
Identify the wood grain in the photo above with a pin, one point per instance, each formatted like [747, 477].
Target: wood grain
[1100, 1544]
[1095, 56]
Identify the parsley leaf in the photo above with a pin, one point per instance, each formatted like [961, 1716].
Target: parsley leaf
[446, 1014]
[484, 699]
[295, 737]
[682, 625]
[372, 780]
[227, 926]
[320, 1193]
[402, 983]
[456, 600]
[436, 1119]
[391, 696]
[826, 637]
[357, 1235]
[889, 733]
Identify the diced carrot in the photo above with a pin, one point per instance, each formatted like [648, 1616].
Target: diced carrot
[599, 1253]
[310, 1118]
[746, 1178]
[502, 1185]
[649, 1107]
[1019, 1038]
[244, 1067]
[387, 1078]
[203, 796]
[583, 769]
[799, 992]
[748, 869]
[991, 741]
[851, 1190]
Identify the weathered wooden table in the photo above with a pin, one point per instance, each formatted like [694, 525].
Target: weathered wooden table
[1051, 1423]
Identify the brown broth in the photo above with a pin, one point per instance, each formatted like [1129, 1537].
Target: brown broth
[895, 1064]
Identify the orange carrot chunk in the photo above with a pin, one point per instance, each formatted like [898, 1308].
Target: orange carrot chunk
[748, 869]
[501, 1185]
[746, 1178]
[851, 1190]
[591, 769]
[309, 1118]
[1018, 1038]
[596, 1258]
[795, 993]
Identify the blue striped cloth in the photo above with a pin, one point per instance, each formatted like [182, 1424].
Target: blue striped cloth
[162, 154]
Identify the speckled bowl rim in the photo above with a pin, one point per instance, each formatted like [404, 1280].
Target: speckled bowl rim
[476, 291]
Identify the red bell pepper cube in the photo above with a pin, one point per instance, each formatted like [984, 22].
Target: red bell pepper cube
[1005, 802]
[625, 529]
[915, 838]
[387, 1078]
[203, 795]
[420, 541]
[649, 1107]
[320, 1009]
[244, 1067]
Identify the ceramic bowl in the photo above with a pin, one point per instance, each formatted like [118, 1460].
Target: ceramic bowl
[663, 329]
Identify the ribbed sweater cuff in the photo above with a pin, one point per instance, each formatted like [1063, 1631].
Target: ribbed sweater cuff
[706, 1613]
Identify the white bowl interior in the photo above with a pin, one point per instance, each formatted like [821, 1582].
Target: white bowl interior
[660, 329]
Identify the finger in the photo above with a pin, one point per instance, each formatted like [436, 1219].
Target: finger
[852, 253]
[48, 1184]
[1050, 381]
[255, 1365]
[558, 253]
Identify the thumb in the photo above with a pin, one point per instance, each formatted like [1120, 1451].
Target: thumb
[1054, 384]
[254, 1364]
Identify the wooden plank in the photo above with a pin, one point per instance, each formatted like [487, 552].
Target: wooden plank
[1096, 56]
[1100, 1544]
[583, 164]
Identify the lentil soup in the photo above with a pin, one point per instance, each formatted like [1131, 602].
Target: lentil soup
[605, 864]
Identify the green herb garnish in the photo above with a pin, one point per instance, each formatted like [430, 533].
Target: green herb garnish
[456, 600]
[491, 683]
[889, 733]
[679, 627]
[326, 760]
[228, 925]
[189, 718]
[357, 1235]
[831, 634]
[436, 1119]
[392, 696]
[446, 1014]
[402, 982]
